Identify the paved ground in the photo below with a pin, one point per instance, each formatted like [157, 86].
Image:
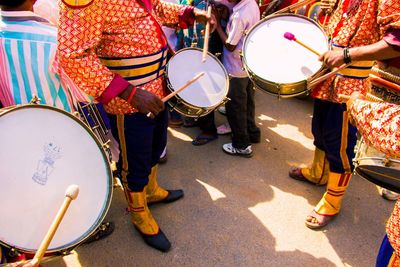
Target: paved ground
[246, 212]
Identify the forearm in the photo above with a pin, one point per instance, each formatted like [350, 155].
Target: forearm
[378, 51]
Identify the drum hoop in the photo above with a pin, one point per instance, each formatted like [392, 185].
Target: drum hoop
[212, 56]
[245, 41]
[107, 203]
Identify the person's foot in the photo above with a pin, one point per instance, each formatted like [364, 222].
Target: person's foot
[318, 221]
[224, 128]
[203, 139]
[389, 195]
[175, 123]
[222, 110]
[231, 150]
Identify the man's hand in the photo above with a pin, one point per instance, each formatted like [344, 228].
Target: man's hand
[144, 101]
[201, 16]
[147, 103]
[332, 59]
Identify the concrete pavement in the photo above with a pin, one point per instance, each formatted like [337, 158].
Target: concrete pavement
[245, 212]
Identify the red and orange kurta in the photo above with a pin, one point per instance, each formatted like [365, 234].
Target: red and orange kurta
[102, 47]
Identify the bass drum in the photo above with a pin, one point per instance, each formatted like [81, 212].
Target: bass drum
[277, 65]
[43, 151]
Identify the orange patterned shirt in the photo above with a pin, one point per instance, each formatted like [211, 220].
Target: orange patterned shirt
[363, 24]
[115, 29]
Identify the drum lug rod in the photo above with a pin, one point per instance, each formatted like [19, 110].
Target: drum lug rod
[35, 100]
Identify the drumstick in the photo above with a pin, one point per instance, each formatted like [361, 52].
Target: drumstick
[314, 82]
[70, 194]
[291, 37]
[206, 35]
[369, 97]
[195, 78]
[294, 6]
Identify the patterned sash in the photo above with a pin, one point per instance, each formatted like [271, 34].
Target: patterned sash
[140, 69]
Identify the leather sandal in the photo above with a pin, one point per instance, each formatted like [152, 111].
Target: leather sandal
[322, 220]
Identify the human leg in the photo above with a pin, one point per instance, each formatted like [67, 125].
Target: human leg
[339, 140]
[135, 135]
[236, 110]
[253, 130]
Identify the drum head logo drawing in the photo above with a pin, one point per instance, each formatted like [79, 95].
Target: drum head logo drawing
[45, 166]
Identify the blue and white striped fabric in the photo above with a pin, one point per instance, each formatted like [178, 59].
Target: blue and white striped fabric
[28, 45]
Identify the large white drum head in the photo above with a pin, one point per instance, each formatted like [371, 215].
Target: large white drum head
[43, 151]
[209, 90]
[272, 57]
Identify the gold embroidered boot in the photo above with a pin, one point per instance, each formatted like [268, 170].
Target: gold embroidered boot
[144, 222]
[329, 206]
[156, 194]
[317, 174]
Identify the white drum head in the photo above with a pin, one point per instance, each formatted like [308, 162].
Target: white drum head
[272, 57]
[209, 90]
[43, 151]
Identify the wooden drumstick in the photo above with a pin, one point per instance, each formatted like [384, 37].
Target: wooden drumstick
[195, 78]
[316, 81]
[369, 97]
[291, 37]
[70, 194]
[206, 35]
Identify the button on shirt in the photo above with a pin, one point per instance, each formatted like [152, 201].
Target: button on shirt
[245, 14]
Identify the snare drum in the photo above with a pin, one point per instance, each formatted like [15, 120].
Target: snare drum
[277, 65]
[43, 151]
[377, 167]
[206, 94]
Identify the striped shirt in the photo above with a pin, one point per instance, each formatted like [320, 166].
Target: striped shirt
[28, 44]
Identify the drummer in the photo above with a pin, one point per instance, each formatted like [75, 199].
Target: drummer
[240, 110]
[116, 52]
[356, 30]
[25, 74]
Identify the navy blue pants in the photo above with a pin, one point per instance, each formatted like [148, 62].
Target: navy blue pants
[334, 135]
[385, 253]
[141, 140]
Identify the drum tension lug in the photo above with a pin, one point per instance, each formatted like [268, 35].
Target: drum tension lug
[35, 100]
[106, 145]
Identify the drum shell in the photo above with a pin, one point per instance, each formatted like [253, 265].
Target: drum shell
[106, 201]
[376, 167]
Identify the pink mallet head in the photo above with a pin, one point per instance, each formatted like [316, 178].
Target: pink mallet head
[289, 36]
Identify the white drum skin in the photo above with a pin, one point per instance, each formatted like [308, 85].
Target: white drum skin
[278, 65]
[44, 150]
[204, 95]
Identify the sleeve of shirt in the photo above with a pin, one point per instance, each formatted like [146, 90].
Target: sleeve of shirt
[393, 38]
[79, 34]
[379, 124]
[236, 31]
[174, 14]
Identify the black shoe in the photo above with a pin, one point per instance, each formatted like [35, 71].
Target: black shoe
[104, 230]
[173, 195]
[158, 241]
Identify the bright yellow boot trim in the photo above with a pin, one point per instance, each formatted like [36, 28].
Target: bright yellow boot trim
[154, 192]
[318, 173]
[331, 201]
[140, 214]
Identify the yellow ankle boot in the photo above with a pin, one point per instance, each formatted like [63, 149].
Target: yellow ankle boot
[156, 194]
[331, 201]
[318, 173]
[144, 222]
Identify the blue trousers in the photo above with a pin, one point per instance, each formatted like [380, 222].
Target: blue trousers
[334, 135]
[385, 253]
[141, 140]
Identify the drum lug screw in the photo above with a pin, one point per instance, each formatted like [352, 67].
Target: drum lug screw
[35, 100]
